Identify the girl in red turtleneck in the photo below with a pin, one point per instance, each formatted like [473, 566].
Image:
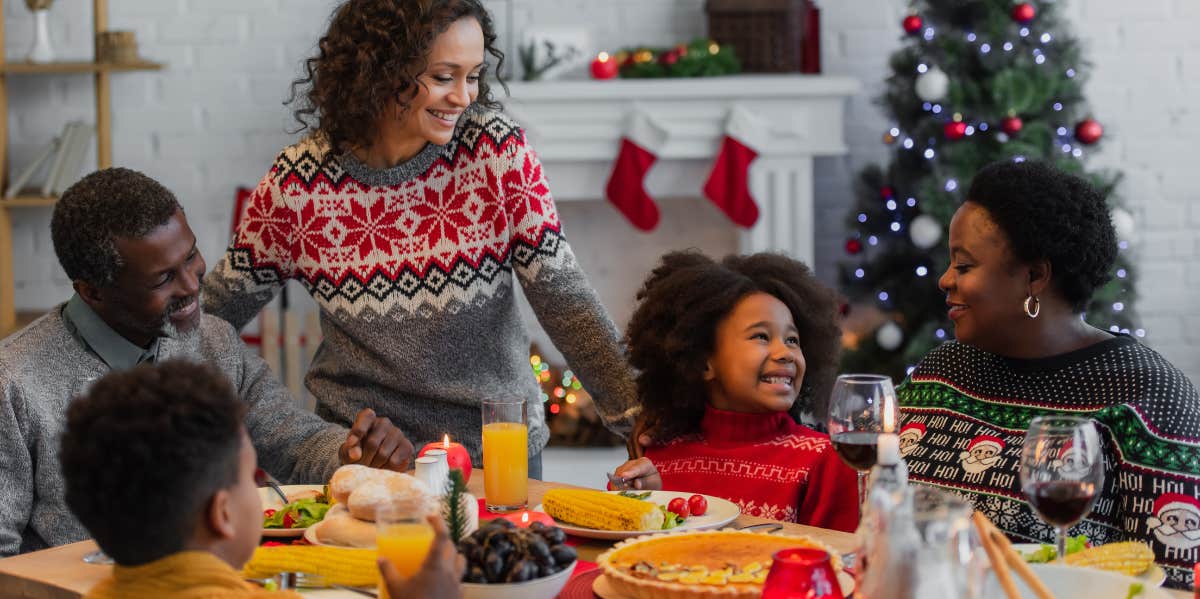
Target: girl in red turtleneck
[730, 356]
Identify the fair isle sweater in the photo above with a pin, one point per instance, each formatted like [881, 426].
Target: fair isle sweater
[45, 364]
[965, 412]
[767, 464]
[414, 268]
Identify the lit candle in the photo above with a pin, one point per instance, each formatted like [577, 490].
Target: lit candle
[456, 455]
[604, 67]
[524, 518]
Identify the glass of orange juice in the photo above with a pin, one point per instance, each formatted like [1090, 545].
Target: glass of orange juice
[404, 539]
[505, 455]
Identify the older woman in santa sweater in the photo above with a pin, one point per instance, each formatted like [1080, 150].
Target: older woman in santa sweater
[410, 213]
[732, 355]
[1027, 250]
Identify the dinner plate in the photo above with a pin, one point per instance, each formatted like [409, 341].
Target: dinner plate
[720, 512]
[271, 501]
[1154, 575]
[1071, 582]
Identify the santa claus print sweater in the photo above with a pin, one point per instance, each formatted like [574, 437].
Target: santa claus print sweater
[414, 270]
[965, 413]
[767, 464]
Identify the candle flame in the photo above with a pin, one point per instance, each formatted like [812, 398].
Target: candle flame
[446, 441]
[602, 57]
[525, 518]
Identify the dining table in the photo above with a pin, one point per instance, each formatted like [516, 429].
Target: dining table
[60, 573]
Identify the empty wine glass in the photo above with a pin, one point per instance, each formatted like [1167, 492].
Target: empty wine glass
[1062, 471]
[860, 407]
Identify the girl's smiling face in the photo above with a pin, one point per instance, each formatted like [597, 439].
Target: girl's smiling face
[756, 364]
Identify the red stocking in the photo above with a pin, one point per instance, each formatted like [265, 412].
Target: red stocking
[728, 184]
[626, 186]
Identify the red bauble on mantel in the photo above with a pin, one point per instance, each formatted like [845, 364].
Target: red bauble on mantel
[955, 130]
[1023, 12]
[1011, 124]
[912, 24]
[1088, 131]
[853, 246]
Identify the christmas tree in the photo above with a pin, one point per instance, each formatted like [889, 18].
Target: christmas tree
[975, 81]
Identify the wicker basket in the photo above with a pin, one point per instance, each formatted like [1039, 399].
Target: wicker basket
[768, 35]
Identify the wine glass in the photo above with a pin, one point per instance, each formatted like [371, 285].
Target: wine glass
[861, 407]
[1062, 471]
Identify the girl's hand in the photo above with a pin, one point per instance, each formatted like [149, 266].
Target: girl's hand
[640, 474]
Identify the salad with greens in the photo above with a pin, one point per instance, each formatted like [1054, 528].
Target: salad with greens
[301, 513]
[1047, 553]
[670, 519]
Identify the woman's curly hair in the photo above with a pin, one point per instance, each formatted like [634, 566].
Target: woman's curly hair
[1048, 213]
[673, 332]
[373, 51]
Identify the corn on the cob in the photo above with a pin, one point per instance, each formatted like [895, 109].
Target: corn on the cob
[596, 509]
[1131, 558]
[338, 565]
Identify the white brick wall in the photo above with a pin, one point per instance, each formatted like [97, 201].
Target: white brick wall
[213, 120]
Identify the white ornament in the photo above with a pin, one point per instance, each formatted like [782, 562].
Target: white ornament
[932, 85]
[925, 231]
[889, 336]
[1123, 222]
[41, 50]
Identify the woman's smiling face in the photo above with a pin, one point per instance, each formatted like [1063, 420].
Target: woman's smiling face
[449, 84]
[985, 288]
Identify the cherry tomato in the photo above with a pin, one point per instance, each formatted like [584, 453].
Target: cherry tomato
[268, 513]
[679, 507]
[289, 520]
[697, 505]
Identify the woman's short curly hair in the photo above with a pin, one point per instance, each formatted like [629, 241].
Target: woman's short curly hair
[99, 208]
[673, 332]
[373, 51]
[1049, 214]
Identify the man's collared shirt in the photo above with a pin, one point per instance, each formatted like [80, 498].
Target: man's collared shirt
[116, 351]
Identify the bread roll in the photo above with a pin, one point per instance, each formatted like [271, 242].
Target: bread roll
[341, 529]
[348, 478]
[402, 492]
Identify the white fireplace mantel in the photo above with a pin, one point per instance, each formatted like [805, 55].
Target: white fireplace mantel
[576, 128]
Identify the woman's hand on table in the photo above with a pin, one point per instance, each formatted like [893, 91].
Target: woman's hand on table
[374, 441]
[440, 575]
[639, 474]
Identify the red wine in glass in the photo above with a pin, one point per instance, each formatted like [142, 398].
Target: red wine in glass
[1062, 502]
[859, 450]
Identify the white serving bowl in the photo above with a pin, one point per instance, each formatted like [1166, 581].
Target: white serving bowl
[1070, 582]
[539, 588]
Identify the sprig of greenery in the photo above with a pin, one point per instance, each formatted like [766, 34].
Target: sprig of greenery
[456, 515]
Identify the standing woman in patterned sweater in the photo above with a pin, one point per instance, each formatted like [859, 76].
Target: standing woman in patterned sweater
[730, 356]
[1027, 250]
[409, 213]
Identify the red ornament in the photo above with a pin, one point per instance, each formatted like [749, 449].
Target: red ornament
[669, 58]
[1088, 131]
[955, 130]
[912, 24]
[886, 192]
[1023, 12]
[1011, 124]
[853, 246]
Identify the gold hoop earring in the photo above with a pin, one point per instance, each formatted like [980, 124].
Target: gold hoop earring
[1037, 306]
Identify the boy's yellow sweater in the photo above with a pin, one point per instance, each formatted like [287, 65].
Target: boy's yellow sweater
[183, 575]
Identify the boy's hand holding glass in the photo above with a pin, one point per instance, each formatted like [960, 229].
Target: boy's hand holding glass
[636, 474]
[440, 573]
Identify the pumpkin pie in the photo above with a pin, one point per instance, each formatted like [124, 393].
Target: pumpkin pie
[724, 564]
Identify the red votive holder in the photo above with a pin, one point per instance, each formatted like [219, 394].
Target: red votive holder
[604, 66]
[524, 518]
[456, 455]
[801, 573]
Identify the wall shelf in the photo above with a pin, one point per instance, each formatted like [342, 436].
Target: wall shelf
[63, 68]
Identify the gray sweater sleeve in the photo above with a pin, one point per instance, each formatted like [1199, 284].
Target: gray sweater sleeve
[293, 444]
[16, 468]
[569, 309]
